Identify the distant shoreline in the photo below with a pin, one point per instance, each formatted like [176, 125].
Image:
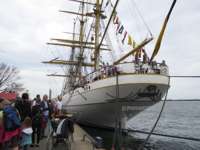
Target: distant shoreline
[184, 100]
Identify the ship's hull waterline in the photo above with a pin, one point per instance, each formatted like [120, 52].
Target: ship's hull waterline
[98, 104]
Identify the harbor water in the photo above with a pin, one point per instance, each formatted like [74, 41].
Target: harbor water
[179, 118]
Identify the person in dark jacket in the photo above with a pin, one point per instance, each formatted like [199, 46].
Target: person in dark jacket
[36, 116]
[23, 106]
[44, 105]
[51, 108]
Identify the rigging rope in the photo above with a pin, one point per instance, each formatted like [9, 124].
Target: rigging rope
[118, 129]
[108, 41]
[52, 82]
[108, 24]
[154, 126]
[185, 76]
[81, 53]
[101, 4]
[184, 100]
[134, 14]
[165, 135]
[136, 20]
[140, 14]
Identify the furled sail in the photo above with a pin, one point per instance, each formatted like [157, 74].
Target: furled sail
[158, 43]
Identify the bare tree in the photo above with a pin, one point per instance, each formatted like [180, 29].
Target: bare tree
[15, 87]
[8, 76]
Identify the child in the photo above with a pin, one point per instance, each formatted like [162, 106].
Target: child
[26, 133]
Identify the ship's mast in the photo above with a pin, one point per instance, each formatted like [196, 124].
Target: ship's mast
[97, 24]
[80, 57]
[76, 62]
[71, 77]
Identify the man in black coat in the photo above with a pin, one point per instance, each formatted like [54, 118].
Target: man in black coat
[23, 106]
[36, 116]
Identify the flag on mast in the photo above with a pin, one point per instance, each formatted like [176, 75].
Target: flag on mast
[130, 40]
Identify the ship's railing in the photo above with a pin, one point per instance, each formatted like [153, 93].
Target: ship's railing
[144, 68]
[125, 68]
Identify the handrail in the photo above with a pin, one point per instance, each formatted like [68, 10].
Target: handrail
[111, 71]
[117, 65]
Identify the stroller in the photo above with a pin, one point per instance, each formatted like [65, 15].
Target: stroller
[59, 134]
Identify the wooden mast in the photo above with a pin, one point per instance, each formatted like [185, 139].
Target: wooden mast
[99, 42]
[97, 23]
[80, 57]
[69, 80]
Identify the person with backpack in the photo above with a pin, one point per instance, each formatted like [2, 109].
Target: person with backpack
[10, 126]
[11, 118]
[36, 116]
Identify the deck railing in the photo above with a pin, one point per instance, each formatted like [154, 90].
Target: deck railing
[124, 69]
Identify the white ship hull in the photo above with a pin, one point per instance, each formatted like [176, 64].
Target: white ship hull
[96, 104]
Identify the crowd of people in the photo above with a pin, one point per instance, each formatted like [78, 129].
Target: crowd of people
[151, 67]
[24, 122]
[140, 67]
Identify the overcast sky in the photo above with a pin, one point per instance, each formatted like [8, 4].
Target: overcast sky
[26, 26]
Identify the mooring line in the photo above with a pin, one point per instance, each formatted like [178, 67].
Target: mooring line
[186, 100]
[165, 135]
[158, 118]
[185, 76]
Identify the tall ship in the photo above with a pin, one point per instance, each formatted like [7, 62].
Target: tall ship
[109, 74]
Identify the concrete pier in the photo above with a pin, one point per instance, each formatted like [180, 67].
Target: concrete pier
[82, 141]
